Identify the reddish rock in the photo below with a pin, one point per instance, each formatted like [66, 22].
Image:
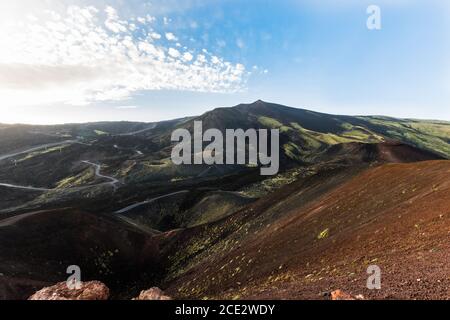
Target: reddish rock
[341, 295]
[92, 290]
[153, 294]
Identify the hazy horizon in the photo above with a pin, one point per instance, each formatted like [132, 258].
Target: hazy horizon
[196, 115]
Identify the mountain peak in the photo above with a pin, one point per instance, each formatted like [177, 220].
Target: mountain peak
[259, 103]
[256, 104]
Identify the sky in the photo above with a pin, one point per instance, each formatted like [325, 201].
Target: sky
[72, 61]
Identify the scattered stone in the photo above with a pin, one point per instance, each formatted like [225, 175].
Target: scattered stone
[341, 295]
[152, 294]
[92, 290]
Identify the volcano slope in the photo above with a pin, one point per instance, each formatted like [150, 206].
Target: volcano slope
[320, 234]
[37, 247]
[324, 151]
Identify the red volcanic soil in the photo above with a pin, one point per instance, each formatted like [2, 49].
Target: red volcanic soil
[321, 234]
[386, 152]
[400, 152]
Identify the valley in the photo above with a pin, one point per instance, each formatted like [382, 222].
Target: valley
[352, 191]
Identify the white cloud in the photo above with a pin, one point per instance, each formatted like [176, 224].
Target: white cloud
[155, 35]
[201, 59]
[174, 53]
[171, 37]
[150, 18]
[112, 22]
[187, 56]
[86, 55]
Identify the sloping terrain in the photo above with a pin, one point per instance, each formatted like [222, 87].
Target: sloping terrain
[322, 233]
[351, 191]
[424, 134]
[185, 208]
[10, 197]
[387, 152]
[37, 247]
[137, 153]
[214, 206]
[16, 138]
[304, 133]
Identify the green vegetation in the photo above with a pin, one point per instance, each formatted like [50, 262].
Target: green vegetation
[100, 133]
[270, 122]
[351, 134]
[324, 234]
[429, 135]
[140, 171]
[42, 152]
[271, 184]
[73, 181]
[215, 206]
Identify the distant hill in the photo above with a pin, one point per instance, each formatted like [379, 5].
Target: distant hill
[351, 191]
[305, 132]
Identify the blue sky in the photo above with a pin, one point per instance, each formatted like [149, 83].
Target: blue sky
[317, 55]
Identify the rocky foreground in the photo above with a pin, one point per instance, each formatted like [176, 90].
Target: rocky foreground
[92, 290]
[96, 290]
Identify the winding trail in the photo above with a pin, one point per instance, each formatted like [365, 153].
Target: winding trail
[152, 126]
[143, 228]
[139, 153]
[133, 206]
[98, 167]
[7, 185]
[113, 182]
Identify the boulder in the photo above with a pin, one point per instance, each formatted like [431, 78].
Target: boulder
[341, 295]
[152, 294]
[92, 290]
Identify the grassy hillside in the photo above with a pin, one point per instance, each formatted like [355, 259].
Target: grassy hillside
[425, 134]
[305, 133]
